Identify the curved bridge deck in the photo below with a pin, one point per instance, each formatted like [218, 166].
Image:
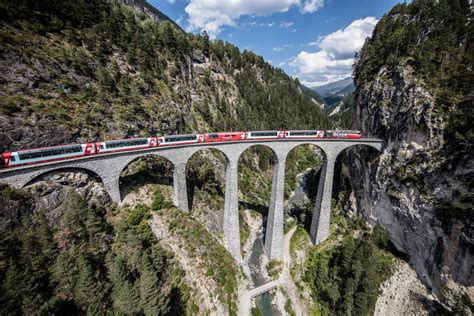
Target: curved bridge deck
[108, 168]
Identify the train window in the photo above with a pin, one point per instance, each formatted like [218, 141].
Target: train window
[264, 133]
[179, 138]
[213, 135]
[47, 153]
[35, 154]
[126, 143]
[101, 146]
[71, 150]
[12, 158]
[24, 156]
[303, 133]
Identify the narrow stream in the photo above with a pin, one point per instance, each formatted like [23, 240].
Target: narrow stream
[257, 266]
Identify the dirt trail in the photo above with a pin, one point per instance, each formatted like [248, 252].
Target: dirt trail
[286, 281]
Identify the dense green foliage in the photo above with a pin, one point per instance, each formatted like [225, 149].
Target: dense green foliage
[86, 265]
[346, 278]
[345, 272]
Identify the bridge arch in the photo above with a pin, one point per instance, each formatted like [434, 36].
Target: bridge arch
[263, 166]
[376, 146]
[270, 184]
[205, 173]
[38, 176]
[148, 168]
[303, 172]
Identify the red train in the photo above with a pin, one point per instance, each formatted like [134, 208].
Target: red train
[47, 154]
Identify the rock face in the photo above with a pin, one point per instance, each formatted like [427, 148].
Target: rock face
[49, 195]
[404, 188]
[404, 294]
[401, 190]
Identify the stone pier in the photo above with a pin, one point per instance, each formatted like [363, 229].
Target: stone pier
[321, 216]
[180, 188]
[231, 210]
[274, 233]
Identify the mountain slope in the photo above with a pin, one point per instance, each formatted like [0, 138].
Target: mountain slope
[414, 90]
[337, 87]
[72, 76]
[314, 96]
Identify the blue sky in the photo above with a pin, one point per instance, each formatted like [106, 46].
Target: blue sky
[314, 40]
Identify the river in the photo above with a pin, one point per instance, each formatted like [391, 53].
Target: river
[257, 262]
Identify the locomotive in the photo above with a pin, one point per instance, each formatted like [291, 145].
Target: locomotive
[49, 154]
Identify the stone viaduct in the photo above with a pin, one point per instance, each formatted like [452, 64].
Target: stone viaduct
[109, 167]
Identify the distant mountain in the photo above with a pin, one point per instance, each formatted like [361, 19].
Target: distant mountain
[343, 87]
[314, 96]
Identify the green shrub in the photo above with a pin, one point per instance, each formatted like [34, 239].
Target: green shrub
[159, 201]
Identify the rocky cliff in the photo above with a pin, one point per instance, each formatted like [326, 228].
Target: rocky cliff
[414, 90]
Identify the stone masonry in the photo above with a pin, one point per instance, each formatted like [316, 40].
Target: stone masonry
[109, 167]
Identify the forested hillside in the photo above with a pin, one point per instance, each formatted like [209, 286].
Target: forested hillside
[83, 71]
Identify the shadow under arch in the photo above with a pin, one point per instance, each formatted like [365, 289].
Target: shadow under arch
[41, 176]
[149, 168]
[302, 177]
[348, 164]
[206, 179]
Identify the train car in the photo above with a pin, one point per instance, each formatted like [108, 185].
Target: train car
[174, 140]
[265, 135]
[309, 134]
[46, 154]
[224, 137]
[126, 144]
[342, 134]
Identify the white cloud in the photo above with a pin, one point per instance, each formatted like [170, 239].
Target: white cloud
[281, 64]
[344, 43]
[248, 24]
[336, 56]
[171, 1]
[311, 6]
[279, 49]
[321, 67]
[285, 24]
[212, 15]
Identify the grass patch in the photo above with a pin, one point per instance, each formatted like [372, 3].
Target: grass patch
[274, 268]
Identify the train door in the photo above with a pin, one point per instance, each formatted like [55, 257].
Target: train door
[153, 142]
[90, 149]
